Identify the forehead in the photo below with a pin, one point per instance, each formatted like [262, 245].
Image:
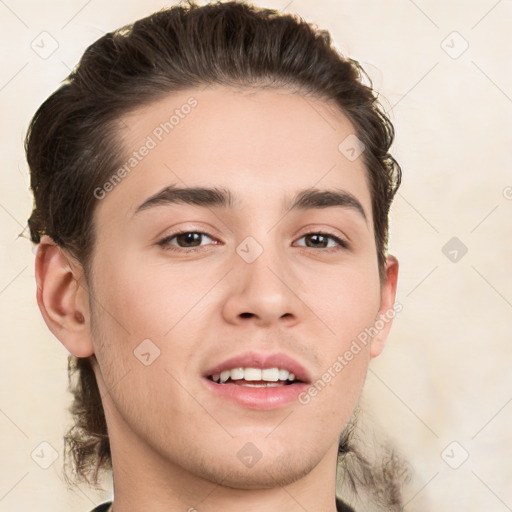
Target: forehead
[259, 143]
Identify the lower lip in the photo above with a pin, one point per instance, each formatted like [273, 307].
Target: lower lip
[264, 398]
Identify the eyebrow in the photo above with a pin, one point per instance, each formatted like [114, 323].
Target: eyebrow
[310, 198]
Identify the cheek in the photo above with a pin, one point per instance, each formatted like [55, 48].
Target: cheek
[347, 303]
[165, 304]
[149, 300]
[346, 299]
[148, 326]
[140, 366]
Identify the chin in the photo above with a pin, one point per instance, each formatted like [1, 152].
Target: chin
[268, 472]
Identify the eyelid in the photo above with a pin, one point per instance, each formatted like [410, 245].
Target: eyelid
[172, 231]
[341, 241]
[312, 229]
[167, 246]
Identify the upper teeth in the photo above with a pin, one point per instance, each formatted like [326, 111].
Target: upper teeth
[268, 374]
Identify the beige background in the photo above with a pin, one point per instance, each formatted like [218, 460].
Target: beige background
[445, 374]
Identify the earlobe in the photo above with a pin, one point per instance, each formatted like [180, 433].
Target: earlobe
[62, 298]
[387, 310]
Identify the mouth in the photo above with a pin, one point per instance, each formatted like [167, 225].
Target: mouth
[258, 382]
[255, 377]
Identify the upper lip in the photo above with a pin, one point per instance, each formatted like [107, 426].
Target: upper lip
[256, 360]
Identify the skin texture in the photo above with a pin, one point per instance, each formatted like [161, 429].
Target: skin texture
[174, 443]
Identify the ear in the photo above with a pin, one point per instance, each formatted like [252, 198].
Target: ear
[388, 309]
[63, 298]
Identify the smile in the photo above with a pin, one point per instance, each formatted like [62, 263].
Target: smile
[258, 381]
[255, 377]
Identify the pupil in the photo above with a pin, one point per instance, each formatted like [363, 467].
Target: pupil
[315, 239]
[190, 237]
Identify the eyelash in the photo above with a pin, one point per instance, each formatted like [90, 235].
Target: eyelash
[164, 243]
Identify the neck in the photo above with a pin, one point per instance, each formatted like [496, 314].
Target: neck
[145, 480]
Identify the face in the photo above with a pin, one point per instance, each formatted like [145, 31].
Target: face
[189, 288]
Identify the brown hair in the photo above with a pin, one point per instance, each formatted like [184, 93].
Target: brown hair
[72, 149]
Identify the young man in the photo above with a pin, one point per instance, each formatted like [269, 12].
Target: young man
[212, 187]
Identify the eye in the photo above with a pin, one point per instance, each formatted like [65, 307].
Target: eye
[190, 241]
[320, 240]
[186, 240]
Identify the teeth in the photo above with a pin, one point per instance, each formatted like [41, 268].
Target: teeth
[267, 385]
[283, 374]
[237, 373]
[254, 374]
[270, 374]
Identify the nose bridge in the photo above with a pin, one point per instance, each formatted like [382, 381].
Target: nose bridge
[260, 260]
[261, 285]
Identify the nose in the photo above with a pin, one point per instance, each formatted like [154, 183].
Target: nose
[264, 291]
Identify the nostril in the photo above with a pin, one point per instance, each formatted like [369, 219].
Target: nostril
[246, 315]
